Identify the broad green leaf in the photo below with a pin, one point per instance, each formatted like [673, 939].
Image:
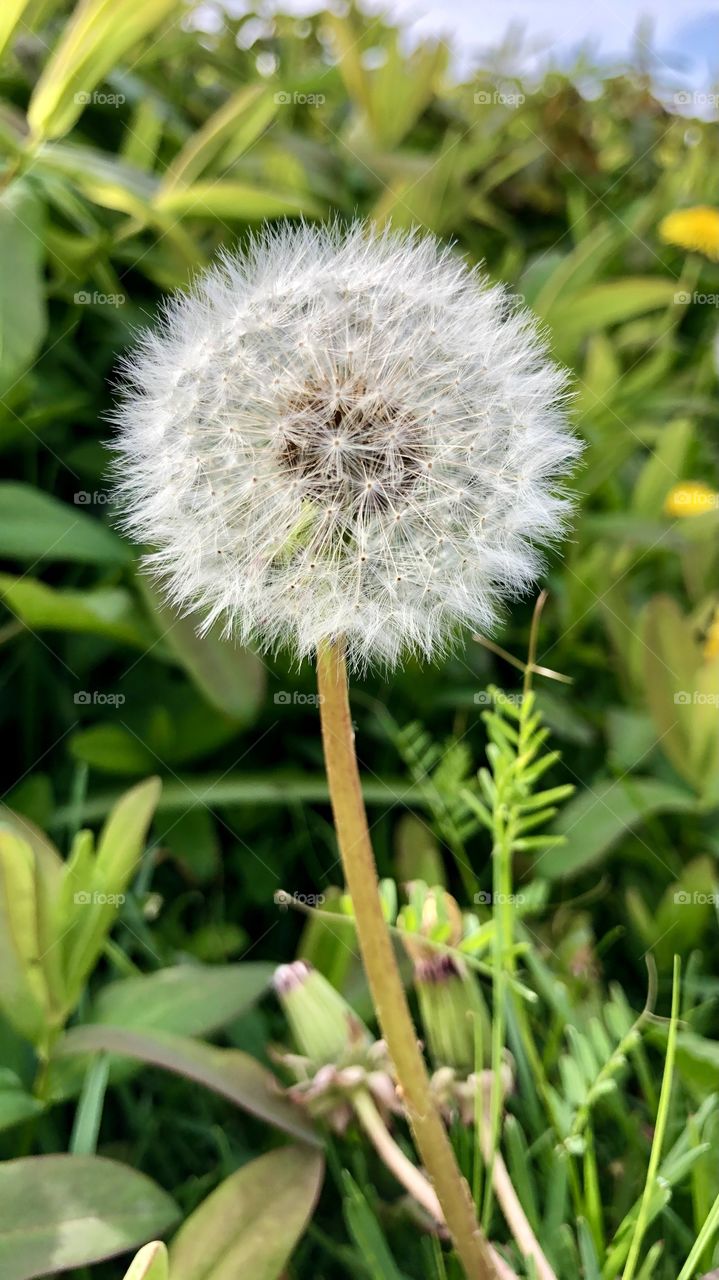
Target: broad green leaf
[113, 749]
[232, 679]
[250, 1225]
[109, 611]
[96, 38]
[151, 1263]
[189, 999]
[236, 201]
[229, 1072]
[58, 1212]
[597, 818]
[34, 526]
[23, 315]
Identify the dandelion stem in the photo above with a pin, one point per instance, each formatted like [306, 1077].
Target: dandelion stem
[381, 967]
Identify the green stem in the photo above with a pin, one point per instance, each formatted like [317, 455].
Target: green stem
[383, 975]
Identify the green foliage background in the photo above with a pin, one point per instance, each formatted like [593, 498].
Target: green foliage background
[133, 147]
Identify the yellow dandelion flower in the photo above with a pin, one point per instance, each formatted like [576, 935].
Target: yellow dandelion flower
[694, 229]
[711, 642]
[693, 498]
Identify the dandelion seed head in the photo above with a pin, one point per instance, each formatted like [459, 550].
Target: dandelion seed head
[343, 432]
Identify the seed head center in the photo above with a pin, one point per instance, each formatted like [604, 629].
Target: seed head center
[351, 449]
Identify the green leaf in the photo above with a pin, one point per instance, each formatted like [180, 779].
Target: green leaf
[10, 15]
[112, 749]
[60, 1211]
[34, 527]
[573, 318]
[229, 1072]
[236, 201]
[95, 38]
[366, 1232]
[250, 1225]
[110, 611]
[596, 819]
[231, 130]
[119, 850]
[23, 989]
[15, 1104]
[23, 315]
[151, 1263]
[232, 679]
[188, 999]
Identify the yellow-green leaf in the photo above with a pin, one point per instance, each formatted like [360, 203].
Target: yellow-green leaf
[98, 35]
[250, 1225]
[234, 200]
[151, 1263]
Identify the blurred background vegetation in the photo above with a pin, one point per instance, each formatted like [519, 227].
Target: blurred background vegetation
[134, 146]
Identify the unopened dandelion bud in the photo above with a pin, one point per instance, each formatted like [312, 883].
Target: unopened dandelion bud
[454, 1017]
[324, 1027]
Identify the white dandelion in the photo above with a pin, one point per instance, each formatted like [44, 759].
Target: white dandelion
[344, 433]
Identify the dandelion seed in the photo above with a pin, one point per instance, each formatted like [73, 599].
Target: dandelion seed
[397, 439]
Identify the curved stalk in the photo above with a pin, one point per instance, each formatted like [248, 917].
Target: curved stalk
[381, 968]
[407, 1173]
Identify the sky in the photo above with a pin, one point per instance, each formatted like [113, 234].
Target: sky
[685, 39]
